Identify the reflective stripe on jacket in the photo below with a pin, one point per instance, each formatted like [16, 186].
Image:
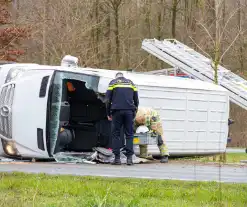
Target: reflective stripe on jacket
[121, 94]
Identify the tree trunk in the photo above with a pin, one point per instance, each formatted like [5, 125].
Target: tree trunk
[194, 9]
[217, 40]
[174, 17]
[108, 38]
[186, 13]
[223, 24]
[160, 15]
[148, 28]
[44, 31]
[147, 18]
[127, 45]
[15, 12]
[116, 15]
[97, 31]
[211, 8]
[217, 45]
[241, 50]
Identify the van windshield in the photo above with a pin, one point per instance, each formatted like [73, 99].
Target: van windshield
[59, 109]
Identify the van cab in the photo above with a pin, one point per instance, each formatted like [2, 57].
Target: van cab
[36, 106]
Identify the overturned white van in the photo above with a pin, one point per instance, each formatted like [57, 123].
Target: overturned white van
[36, 104]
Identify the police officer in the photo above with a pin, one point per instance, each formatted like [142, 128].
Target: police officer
[122, 103]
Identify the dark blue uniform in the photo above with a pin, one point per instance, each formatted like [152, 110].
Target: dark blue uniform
[122, 103]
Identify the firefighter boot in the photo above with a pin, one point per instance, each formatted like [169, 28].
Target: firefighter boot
[144, 153]
[163, 153]
[164, 159]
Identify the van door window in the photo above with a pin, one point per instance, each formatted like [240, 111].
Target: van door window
[58, 100]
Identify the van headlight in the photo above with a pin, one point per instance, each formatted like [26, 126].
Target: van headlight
[10, 148]
[13, 74]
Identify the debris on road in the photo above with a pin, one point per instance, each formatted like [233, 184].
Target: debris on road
[70, 157]
[2, 159]
[100, 155]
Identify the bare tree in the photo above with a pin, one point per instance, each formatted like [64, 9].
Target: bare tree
[45, 15]
[174, 16]
[191, 13]
[241, 38]
[161, 8]
[115, 6]
[148, 17]
[216, 39]
[107, 35]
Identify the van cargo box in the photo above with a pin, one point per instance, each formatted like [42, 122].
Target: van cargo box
[145, 139]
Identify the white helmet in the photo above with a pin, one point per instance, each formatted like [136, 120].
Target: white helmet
[142, 129]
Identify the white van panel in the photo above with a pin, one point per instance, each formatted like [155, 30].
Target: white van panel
[194, 121]
[1, 149]
[3, 74]
[194, 113]
[4, 69]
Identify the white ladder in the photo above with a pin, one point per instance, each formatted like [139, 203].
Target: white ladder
[198, 66]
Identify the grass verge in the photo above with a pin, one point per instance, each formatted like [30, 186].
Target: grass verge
[229, 158]
[20, 189]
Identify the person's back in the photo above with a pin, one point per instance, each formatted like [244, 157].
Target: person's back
[122, 104]
[124, 94]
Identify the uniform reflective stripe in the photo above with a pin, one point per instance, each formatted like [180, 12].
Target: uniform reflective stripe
[122, 86]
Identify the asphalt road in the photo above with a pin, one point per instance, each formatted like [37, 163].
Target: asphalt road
[172, 171]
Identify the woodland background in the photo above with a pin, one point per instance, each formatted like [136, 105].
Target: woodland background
[109, 33]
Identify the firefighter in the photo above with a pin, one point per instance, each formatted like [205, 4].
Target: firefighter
[151, 119]
[122, 103]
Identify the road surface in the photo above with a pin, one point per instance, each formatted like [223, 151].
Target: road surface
[174, 171]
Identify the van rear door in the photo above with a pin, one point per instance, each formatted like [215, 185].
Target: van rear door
[28, 111]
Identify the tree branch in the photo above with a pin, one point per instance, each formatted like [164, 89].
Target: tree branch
[199, 47]
[231, 16]
[212, 39]
[231, 44]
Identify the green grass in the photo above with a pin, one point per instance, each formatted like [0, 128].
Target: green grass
[19, 189]
[230, 158]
